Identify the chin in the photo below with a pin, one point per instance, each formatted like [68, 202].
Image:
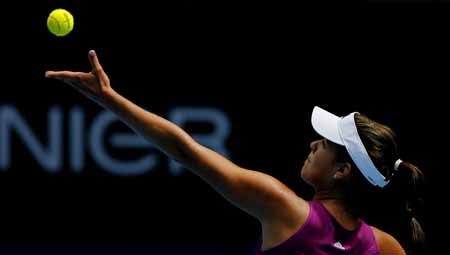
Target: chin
[303, 174]
[305, 179]
[307, 176]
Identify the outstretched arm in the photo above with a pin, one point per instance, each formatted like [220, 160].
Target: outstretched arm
[259, 194]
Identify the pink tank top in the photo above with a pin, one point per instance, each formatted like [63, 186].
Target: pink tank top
[321, 234]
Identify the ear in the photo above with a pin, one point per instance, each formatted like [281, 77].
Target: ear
[343, 171]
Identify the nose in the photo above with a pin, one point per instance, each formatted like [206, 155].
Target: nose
[313, 145]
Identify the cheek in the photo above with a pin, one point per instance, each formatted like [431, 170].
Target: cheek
[316, 170]
[323, 162]
[321, 166]
[310, 173]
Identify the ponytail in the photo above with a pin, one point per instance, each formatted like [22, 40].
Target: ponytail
[409, 182]
[418, 236]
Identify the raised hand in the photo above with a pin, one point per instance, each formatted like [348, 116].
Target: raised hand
[94, 84]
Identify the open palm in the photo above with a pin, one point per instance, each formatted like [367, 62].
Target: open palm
[93, 84]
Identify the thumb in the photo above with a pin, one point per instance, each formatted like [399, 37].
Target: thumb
[96, 67]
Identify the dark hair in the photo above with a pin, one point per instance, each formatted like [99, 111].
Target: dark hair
[394, 208]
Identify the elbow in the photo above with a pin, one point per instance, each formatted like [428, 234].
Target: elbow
[185, 151]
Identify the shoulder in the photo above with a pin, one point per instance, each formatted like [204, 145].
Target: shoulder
[286, 222]
[387, 244]
[284, 201]
[291, 209]
[285, 216]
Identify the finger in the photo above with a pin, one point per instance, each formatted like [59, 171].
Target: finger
[96, 67]
[61, 74]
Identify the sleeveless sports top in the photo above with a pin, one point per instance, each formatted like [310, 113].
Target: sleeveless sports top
[321, 234]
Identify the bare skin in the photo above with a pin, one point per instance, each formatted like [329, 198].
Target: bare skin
[280, 211]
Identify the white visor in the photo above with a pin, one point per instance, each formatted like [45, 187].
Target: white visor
[343, 131]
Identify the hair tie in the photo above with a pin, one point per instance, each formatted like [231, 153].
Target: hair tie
[397, 164]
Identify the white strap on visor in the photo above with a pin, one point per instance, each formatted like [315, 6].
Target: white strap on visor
[357, 151]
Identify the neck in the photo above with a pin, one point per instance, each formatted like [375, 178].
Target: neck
[327, 194]
[333, 200]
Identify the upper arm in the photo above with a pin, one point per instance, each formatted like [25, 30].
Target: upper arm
[387, 244]
[259, 194]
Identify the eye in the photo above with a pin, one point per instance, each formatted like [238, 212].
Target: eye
[324, 144]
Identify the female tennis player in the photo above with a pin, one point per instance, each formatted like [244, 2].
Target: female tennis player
[356, 159]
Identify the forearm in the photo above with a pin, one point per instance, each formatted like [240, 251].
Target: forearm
[165, 135]
[256, 193]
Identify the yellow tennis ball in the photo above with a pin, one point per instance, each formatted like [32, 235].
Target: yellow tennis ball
[60, 22]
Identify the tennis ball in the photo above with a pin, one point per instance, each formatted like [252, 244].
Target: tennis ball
[60, 22]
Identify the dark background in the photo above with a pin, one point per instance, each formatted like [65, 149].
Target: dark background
[265, 64]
